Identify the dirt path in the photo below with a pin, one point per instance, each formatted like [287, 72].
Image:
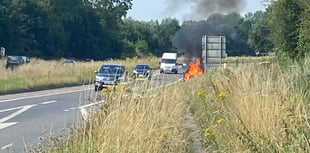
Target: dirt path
[195, 136]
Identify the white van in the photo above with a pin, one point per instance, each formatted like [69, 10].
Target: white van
[168, 63]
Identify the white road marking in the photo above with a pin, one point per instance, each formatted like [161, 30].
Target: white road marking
[84, 111]
[72, 108]
[23, 109]
[4, 119]
[48, 102]
[91, 104]
[44, 95]
[20, 110]
[66, 110]
[7, 146]
[5, 125]
[9, 109]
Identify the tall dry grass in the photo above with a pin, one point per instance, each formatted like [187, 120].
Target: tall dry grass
[41, 74]
[138, 118]
[253, 108]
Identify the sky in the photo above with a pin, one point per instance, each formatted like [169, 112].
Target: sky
[146, 10]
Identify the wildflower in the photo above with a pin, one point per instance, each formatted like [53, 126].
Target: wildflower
[104, 104]
[222, 96]
[207, 132]
[220, 121]
[110, 88]
[106, 90]
[165, 134]
[201, 92]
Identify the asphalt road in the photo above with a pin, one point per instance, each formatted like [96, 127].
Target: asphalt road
[26, 118]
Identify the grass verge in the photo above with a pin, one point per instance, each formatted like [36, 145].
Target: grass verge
[40, 74]
[254, 108]
[135, 118]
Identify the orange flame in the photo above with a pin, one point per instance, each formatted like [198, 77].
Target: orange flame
[194, 69]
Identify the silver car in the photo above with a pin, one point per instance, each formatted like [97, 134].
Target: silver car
[109, 74]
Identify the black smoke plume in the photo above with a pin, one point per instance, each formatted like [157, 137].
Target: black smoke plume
[205, 17]
[202, 9]
[188, 39]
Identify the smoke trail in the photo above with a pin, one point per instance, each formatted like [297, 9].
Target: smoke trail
[202, 9]
[188, 39]
[210, 15]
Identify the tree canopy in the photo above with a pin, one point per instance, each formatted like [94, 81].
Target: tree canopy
[100, 29]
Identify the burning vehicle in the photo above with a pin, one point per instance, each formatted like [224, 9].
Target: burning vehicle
[194, 69]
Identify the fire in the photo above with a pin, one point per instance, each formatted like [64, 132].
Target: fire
[194, 69]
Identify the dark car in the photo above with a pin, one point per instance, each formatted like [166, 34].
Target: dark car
[142, 71]
[109, 74]
[185, 63]
[14, 61]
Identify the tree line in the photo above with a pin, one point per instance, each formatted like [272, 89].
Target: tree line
[100, 29]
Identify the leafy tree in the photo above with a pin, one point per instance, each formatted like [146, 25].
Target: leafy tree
[110, 13]
[142, 48]
[304, 35]
[7, 27]
[284, 22]
[128, 49]
[164, 33]
[258, 32]
[134, 31]
[157, 36]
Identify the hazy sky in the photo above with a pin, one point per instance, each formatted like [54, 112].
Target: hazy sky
[147, 10]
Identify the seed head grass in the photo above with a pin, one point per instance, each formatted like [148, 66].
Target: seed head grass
[42, 74]
[253, 108]
[250, 108]
[146, 120]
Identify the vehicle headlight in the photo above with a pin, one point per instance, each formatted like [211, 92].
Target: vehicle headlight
[99, 78]
[148, 71]
[134, 71]
[120, 78]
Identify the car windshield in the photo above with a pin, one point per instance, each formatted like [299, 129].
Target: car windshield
[169, 61]
[14, 58]
[111, 69]
[145, 67]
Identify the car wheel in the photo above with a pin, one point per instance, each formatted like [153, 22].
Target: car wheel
[97, 88]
